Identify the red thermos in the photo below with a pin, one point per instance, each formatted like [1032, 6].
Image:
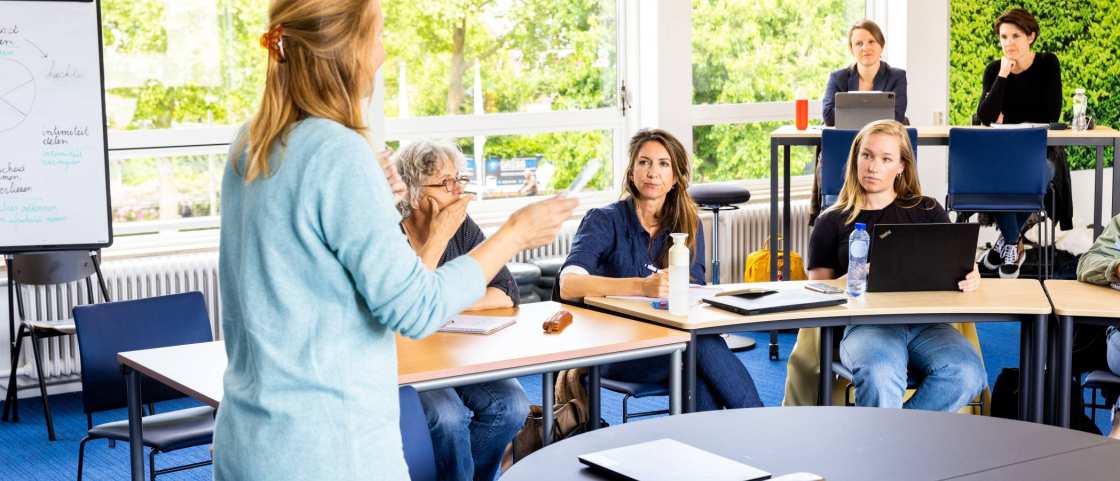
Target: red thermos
[802, 116]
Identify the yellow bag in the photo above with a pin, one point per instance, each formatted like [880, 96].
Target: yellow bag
[757, 268]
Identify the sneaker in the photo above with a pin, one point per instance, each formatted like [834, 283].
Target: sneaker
[1012, 259]
[994, 258]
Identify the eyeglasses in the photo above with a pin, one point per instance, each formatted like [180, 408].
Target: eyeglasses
[449, 183]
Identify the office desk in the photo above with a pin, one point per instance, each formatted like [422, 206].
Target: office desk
[1076, 302]
[787, 136]
[441, 360]
[842, 444]
[1021, 300]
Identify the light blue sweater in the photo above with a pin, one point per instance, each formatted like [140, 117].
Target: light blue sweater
[315, 278]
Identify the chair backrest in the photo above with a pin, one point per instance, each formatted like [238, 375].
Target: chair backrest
[836, 145]
[997, 161]
[106, 329]
[416, 438]
[56, 267]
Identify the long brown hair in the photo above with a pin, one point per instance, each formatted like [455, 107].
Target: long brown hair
[906, 186]
[678, 213]
[324, 70]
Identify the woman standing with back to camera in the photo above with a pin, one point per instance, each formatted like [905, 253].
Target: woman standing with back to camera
[316, 276]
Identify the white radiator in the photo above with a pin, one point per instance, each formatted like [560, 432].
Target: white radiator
[741, 232]
[125, 280]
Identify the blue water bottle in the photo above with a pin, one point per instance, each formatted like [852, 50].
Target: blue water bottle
[858, 244]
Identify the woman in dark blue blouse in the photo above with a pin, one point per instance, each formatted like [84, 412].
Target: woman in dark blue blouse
[868, 72]
[623, 249]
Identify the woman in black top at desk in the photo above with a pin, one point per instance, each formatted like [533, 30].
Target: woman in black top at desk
[868, 72]
[1021, 87]
[881, 187]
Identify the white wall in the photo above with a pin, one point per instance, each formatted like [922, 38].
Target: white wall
[927, 72]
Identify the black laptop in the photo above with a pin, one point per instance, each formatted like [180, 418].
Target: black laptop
[782, 299]
[921, 257]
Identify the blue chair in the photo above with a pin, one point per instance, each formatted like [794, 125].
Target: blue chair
[998, 170]
[415, 437]
[836, 146]
[106, 329]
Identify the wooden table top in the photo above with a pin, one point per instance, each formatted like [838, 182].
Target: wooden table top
[995, 296]
[1075, 298]
[197, 369]
[942, 131]
[591, 333]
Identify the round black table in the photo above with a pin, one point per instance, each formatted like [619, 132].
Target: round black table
[838, 443]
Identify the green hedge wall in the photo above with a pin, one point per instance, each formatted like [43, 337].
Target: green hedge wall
[1085, 34]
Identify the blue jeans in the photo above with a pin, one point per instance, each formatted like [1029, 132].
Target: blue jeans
[1112, 341]
[1010, 223]
[883, 357]
[722, 380]
[471, 426]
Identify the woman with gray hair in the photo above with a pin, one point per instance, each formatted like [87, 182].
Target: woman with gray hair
[470, 425]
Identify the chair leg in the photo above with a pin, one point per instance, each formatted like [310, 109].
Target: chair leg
[12, 394]
[82, 455]
[42, 386]
[1093, 406]
[625, 411]
[152, 464]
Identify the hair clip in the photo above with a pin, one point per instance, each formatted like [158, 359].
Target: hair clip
[273, 41]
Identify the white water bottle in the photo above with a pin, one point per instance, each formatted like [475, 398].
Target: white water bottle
[1080, 110]
[678, 275]
[858, 244]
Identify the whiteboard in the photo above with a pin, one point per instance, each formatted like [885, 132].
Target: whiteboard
[54, 183]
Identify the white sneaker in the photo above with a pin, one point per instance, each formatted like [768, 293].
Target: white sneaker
[994, 257]
[1011, 262]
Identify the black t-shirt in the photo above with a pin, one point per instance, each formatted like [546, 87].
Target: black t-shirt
[828, 243]
[1033, 95]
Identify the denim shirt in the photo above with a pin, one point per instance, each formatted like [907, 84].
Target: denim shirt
[611, 242]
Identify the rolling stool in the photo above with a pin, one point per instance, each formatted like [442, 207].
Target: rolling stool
[716, 198]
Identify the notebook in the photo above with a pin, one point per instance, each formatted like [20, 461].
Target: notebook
[477, 324]
[668, 459]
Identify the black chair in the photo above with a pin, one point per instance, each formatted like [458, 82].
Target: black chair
[415, 437]
[1095, 382]
[550, 268]
[526, 276]
[106, 329]
[43, 269]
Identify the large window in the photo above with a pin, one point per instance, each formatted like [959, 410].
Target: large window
[179, 78]
[529, 87]
[749, 59]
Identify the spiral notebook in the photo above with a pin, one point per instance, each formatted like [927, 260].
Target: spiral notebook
[477, 324]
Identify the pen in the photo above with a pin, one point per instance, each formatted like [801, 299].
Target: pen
[652, 269]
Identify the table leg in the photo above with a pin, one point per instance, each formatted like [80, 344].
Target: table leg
[593, 393]
[1051, 393]
[824, 389]
[1098, 191]
[786, 241]
[1037, 371]
[135, 424]
[773, 209]
[548, 386]
[1024, 367]
[675, 383]
[690, 374]
[1064, 371]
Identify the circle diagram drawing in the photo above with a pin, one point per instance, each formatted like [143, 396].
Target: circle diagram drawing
[17, 94]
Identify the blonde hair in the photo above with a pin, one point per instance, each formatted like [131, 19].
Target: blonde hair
[906, 186]
[678, 214]
[325, 69]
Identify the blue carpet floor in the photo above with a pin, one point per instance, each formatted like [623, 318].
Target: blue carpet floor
[25, 453]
